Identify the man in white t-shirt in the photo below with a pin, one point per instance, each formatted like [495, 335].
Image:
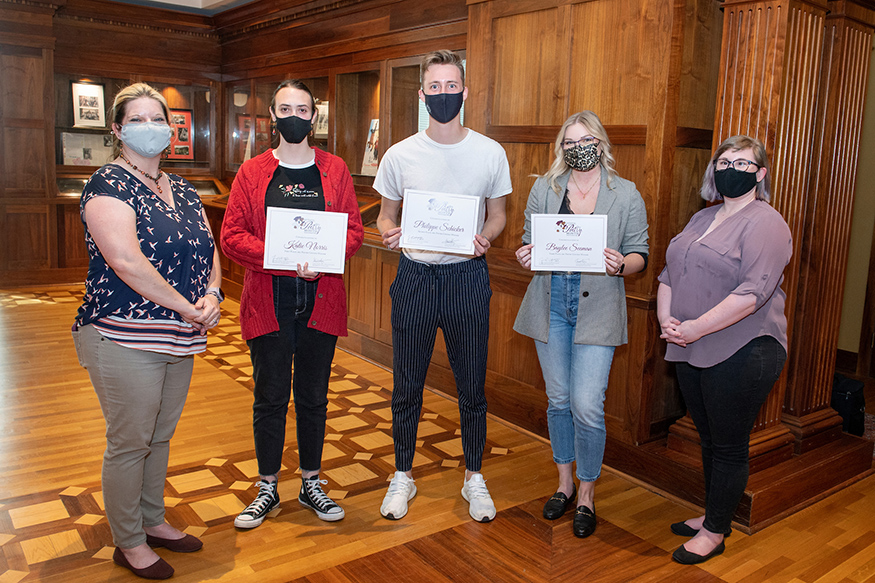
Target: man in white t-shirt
[434, 289]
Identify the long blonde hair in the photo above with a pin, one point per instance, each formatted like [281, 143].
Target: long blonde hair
[594, 126]
[120, 103]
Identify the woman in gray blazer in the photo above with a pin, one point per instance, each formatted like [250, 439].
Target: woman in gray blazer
[577, 319]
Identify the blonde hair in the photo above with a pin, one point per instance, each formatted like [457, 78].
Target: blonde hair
[441, 57]
[120, 103]
[594, 126]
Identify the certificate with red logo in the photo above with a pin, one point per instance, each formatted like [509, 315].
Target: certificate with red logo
[569, 242]
[297, 236]
[434, 221]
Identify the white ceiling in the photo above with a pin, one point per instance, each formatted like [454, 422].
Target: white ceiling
[206, 7]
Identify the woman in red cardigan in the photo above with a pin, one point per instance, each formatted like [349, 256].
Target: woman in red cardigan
[289, 316]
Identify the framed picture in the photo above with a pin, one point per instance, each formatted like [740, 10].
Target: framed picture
[88, 111]
[182, 140]
[244, 136]
[320, 124]
[262, 134]
[372, 149]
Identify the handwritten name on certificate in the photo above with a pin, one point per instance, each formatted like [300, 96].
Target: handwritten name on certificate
[297, 236]
[569, 242]
[439, 222]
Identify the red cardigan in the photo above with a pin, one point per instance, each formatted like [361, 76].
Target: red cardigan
[243, 241]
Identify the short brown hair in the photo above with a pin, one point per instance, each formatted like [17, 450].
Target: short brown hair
[441, 57]
[120, 105]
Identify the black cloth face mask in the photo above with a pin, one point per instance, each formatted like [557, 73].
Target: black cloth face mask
[731, 183]
[293, 128]
[444, 107]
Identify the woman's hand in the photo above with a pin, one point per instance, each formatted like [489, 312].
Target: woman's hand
[670, 331]
[613, 261]
[524, 256]
[305, 273]
[392, 238]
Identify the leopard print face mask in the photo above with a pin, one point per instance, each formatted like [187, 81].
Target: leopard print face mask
[583, 158]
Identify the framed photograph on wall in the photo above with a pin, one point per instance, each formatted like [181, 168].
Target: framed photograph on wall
[182, 140]
[320, 124]
[88, 111]
[262, 133]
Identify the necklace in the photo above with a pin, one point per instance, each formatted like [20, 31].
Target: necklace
[585, 192]
[154, 179]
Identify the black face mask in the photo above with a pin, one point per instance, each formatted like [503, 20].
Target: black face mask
[444, 107]
[731, 183]
[293, 128]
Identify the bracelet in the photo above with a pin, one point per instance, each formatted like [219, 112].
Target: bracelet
[216, 291]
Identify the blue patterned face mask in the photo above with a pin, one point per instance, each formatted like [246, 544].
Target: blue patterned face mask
[147, 139]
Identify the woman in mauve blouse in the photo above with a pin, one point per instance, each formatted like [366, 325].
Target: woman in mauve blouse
[721, 310]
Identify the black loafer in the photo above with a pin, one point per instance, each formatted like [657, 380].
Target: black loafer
[682, 529]
[685, 557]
[584, 522]
[558, 504]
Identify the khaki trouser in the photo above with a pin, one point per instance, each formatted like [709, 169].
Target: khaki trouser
[141, 394]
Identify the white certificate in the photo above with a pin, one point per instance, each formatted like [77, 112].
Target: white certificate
[569, 242]
[439, 222]
[296, 236]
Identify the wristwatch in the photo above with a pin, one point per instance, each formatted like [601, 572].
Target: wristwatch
[622, 267]
[216, 291]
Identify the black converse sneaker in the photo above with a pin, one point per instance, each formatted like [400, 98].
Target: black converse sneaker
[315, 499]
[268, 499]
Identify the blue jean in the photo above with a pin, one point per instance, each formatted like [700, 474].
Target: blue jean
[576, 376]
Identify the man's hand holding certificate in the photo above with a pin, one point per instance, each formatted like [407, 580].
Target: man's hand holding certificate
[295, 236]
[569, 242]
[439, 222]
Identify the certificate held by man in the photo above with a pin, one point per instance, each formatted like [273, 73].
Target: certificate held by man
[569, 242]
[435, 221]
[295, 236]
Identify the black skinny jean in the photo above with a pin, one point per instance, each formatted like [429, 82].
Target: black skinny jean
[723, 401]
[272, 355]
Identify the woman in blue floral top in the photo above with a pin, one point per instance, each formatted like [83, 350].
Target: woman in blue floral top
[151, 294]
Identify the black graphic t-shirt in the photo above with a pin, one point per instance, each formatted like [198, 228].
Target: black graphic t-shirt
[296, 187]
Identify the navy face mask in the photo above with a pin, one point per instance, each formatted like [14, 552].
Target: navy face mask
[731, 183]
[293, 128]
[444, 107]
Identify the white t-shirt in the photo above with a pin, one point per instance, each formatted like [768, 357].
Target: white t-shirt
[476, 166]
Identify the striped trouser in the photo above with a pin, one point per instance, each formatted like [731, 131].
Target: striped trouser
[454, 297]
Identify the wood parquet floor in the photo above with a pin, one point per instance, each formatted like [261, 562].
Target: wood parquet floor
[52, 526]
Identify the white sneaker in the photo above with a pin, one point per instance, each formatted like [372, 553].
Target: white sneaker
[401, 490]
[480, 504]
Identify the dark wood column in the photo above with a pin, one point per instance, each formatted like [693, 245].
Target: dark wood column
[823, 256]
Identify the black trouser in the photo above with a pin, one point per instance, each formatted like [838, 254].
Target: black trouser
[272, 356]
[454, 297]
[723, 401]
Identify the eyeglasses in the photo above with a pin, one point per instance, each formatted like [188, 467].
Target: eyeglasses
[585, 141]
[740, 164]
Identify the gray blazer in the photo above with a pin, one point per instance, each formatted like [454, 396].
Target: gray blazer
[601, 313]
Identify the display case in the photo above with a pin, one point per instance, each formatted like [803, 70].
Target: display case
[356, 111]
[239, 123]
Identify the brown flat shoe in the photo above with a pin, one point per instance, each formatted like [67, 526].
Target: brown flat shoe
[186, 544]
[160, 569]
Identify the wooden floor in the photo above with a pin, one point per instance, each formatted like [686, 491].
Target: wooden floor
[52, 526]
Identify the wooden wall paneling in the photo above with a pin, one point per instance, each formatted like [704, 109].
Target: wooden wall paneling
[828, 205]
[362, 289]
[387, 268]
[529, 68]
[356, 102]
[72, 251]
[703, 27]
[24, 166]
[402, 101]
[25, 236]
[125, 41]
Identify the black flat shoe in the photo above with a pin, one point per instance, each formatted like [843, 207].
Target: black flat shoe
[584, 522]
[685, 557]
[682, 529]
[558, 504]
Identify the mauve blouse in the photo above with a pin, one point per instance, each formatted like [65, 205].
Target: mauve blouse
[745, 254]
